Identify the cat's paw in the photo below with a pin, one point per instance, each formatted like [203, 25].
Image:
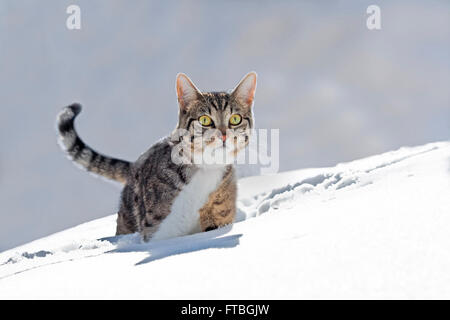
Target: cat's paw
[213, 227]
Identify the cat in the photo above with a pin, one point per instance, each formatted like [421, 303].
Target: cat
[167, 191]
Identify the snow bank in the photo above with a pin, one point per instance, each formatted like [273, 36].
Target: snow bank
[373, 228]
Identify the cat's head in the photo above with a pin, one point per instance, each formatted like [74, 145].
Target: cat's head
[216, 123]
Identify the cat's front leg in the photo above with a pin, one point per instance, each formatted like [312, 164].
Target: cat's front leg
[220, 209]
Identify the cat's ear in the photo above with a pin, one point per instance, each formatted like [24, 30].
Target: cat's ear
[244, 92]
[186, 91]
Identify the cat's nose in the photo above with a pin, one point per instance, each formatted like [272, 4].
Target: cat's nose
[224, 137]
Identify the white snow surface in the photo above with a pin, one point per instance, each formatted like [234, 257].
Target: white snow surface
[375, 228]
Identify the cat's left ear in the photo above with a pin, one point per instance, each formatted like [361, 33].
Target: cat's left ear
[244, 92]
[186, 91]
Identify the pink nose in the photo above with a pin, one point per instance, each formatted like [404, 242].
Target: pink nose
[224, 137]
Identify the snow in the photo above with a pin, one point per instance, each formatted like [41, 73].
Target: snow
[375, 228]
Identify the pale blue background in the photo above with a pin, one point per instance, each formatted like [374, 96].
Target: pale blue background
[336, 90]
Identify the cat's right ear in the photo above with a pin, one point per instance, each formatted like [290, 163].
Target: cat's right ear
[186, 91]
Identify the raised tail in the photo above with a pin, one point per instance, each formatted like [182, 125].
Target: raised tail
[83, 155]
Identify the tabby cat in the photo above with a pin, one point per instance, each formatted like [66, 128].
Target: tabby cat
[167, 192]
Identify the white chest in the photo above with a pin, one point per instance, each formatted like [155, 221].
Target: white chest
[184, 217]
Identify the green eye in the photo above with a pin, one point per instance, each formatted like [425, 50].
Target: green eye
[235, 119]
[205, 121]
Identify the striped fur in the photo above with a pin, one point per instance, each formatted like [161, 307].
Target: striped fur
[83, 155]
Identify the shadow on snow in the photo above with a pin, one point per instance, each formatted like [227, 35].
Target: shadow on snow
[164, 248]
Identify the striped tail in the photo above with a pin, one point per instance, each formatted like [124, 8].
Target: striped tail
[83, 155]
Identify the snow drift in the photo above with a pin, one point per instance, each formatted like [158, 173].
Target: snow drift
[373, 228]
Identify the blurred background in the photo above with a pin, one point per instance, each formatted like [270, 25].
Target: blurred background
[336, 90]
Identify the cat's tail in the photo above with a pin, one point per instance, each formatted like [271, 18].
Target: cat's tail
[83, 155]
